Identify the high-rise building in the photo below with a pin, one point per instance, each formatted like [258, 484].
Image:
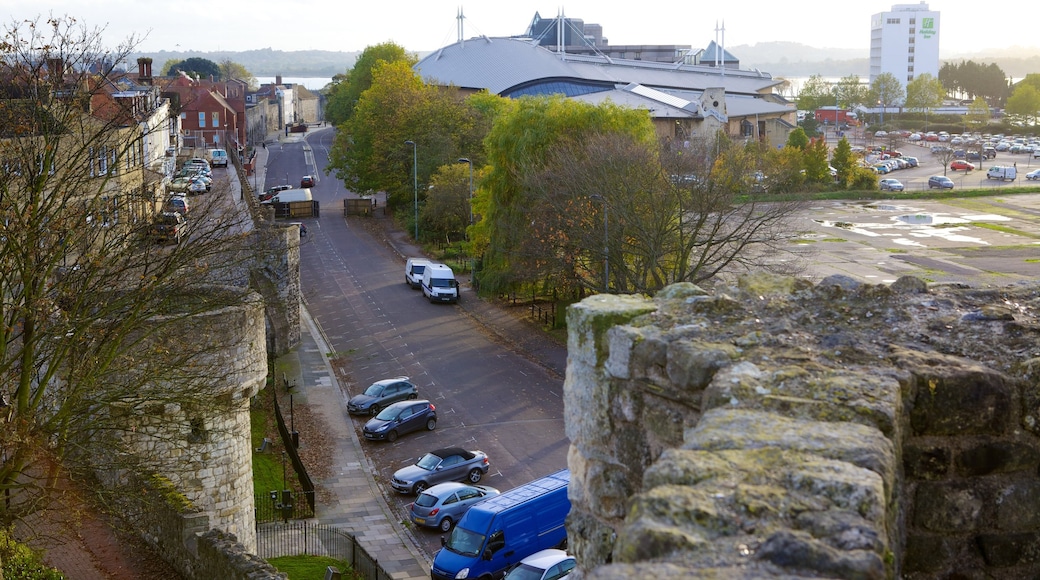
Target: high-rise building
[905, 42]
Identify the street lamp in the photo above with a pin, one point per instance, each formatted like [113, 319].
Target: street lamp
[606, 244]
[415, 183]
[470, 163]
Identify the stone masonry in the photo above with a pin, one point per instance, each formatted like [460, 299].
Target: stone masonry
[779, 429]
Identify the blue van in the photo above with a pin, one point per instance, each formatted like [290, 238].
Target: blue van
[500, 531]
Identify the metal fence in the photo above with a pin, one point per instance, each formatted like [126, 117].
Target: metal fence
[299, 538]
[275, 506]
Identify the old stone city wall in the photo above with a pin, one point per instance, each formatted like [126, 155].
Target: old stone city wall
[776, 428]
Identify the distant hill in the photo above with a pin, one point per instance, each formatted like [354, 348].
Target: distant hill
[780, 59]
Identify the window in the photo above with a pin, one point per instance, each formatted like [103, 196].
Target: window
[216, 119]
[202, 119]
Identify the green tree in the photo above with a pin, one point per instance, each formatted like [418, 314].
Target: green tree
[886, 90]
[1024, 103]
[815, 93]
[924, 93]
[346, 91]
[445, 215]
[978, 114]
[797, 138]
[518, 148]
[196, 67]
[851, 92]
[231, 70]
[814, 160]
[971, 79]
[844, 160]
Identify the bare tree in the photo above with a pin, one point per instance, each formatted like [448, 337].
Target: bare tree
[99, 325]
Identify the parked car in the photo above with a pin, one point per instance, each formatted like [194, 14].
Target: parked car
[940, 182]
[307, 181]
[380, 394]
[445, 503]
[889, 184]
[1033, 175]
[399, 419]
[961, 164]
[179, 204]
[189, 185]
[168, 225]
[273, 191]
[551, 564]
[197, 162]
[911, 161]
[438, 466]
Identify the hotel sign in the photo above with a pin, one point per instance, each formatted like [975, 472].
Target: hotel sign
[928, 29]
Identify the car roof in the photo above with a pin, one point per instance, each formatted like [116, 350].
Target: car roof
[388, 381]
[448, 451]
[445, 488]
[400, 404]
[545, 559]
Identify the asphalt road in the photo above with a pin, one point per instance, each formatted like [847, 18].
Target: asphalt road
[487, 397]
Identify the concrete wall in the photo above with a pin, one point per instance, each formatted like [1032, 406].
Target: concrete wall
[779, 429]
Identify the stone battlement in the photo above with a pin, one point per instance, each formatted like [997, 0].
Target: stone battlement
[780, 429]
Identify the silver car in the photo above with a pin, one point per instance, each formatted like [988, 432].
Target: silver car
[440, 465]
[444, 504]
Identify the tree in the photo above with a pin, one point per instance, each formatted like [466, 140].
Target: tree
[843, 161]
[886, 90]
[851, 92]
[346, 91]
[1024, 102]
[231, 70]
[196, 67]
[446, 212]
[924, 93]
[814, 160]
[971, 79]
[815, 93]
[92, 334]
[797, 138]
[978, 114]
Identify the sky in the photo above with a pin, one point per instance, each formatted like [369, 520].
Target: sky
[425, 25]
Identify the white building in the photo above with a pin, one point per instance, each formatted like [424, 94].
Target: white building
[905, 42]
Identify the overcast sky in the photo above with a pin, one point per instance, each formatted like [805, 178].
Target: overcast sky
[419, 26]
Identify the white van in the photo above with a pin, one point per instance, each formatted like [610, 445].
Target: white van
[413, 271]
[439, 284]
[290, 195]
[218, 157]
[1004, 172]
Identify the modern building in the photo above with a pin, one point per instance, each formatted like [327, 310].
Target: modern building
[905, 42]
[686, 101]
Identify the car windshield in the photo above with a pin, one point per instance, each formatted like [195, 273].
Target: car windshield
[388, 414]
[443, 282]
[429, 461]
[525, 572]
[374, 390]
[426, 500]
[465, 542]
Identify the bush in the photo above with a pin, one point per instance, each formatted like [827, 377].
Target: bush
[862, 179]
[20, 562]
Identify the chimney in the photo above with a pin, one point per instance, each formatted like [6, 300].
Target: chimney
[278, 80]
[56, 69]
[144, 70]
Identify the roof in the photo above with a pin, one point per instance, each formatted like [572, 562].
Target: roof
[448, 451]
[512, 67]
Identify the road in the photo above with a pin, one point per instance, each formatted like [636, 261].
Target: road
[487, 397]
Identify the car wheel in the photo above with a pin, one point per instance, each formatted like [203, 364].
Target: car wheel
[445, 525]
[374, 410]
[391, 436]
[419, 487]
[475, 475]
[413, 396]
[431, 424]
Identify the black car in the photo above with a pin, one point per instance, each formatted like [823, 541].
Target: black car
[401, 418]
[380, 394]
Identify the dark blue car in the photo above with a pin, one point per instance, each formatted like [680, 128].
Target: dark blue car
[401, 418]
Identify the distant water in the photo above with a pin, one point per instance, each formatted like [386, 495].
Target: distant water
[311, 83]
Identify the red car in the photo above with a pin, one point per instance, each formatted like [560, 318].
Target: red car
[961, 164]
[307, 181]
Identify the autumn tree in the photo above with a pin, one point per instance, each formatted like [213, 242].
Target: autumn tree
[89, 297]
[231, 70]
[346, 90]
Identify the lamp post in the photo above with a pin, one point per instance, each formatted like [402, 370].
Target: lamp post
[606, 244]
[469, 162]
[415, 183]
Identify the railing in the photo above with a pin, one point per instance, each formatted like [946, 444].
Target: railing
[275, 506]
[306, 538]
[290, 441]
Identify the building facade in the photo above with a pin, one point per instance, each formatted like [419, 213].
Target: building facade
[905, 42]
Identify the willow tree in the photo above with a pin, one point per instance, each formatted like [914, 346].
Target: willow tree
[84, 284]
